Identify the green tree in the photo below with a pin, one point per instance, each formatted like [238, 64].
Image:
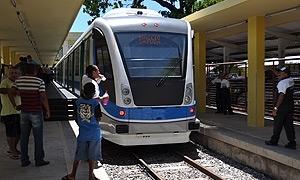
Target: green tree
[176, 8]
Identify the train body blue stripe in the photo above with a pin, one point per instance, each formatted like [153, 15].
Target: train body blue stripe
[150, 113]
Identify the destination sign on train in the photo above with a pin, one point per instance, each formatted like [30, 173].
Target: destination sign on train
[149, 39]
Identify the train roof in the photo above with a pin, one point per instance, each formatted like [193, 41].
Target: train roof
[137, 23]
[131, 19]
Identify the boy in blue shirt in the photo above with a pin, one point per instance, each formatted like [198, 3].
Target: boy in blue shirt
[89, 138]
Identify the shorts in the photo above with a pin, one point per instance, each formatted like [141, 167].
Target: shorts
[12, 125]
[88, 150]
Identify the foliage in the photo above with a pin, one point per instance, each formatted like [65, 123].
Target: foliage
[176, 8]
[204, 4]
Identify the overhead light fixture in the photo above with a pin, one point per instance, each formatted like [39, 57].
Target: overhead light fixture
[283, 11]
[228, 26]
[13, 3]
[27, 32]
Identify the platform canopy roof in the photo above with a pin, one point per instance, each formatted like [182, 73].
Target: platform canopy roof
[225, 25]
[36, 27]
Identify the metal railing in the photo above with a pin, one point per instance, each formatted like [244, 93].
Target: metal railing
[238, 82]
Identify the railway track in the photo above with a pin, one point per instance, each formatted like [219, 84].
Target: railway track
[185, 167]
[180, 161]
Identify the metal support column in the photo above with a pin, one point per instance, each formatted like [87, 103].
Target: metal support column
[256, 73]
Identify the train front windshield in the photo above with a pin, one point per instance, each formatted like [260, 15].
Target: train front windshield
[153, 54]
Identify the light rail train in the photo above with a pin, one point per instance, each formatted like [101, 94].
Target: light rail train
[148, 65]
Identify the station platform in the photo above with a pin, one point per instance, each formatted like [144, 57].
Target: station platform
[225, 134]
[230, 135]
[59, 146]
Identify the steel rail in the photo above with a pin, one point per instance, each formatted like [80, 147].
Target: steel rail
[199, 167]
[149, 170]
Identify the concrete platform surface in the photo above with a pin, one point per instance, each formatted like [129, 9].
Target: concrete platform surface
[233, 131]
[59, 145]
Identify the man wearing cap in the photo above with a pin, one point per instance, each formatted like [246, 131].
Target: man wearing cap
[283, 109]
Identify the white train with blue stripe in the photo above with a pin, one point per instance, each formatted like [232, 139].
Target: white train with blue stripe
[148, 62]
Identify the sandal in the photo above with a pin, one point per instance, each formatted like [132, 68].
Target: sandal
[14, 156]
[95, 178]
[9, 152]
[66, 177]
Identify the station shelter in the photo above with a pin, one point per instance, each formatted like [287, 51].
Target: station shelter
[251, 31]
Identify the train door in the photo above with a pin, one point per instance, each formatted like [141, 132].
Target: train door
[103, 61]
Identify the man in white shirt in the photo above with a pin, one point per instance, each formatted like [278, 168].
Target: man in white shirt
[93, 75]
[225, 89]
[217, 82]
[283, 109]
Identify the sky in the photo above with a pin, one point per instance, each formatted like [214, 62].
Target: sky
[80, 23]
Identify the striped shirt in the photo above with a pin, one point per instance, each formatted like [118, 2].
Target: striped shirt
[30, 88]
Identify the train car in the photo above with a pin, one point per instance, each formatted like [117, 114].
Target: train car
[148, 65]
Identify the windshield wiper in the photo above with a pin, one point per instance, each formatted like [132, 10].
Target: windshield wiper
[163, 79]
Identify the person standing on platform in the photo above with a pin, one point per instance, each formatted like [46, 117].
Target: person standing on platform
[217, 82]
[33, 102]
[283, 109]
[226, 97]
[21, 65]
[9, 114]
[89, 139]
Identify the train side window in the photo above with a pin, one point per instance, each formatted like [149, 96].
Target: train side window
[87, 52]
[107, 63]
[76, 59]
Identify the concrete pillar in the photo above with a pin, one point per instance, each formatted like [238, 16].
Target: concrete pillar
[282, 44]
[6, 55]
[12, 57]
[256, 73]
[1, 52]
[226, 53]
[200, 75]
[16, 60]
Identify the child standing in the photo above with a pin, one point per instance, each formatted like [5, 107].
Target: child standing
[89, 138]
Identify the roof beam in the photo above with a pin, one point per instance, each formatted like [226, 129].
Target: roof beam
[284, 35]
[234, 46]
[228, 45]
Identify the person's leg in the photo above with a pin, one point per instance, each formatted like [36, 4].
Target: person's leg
[94, 155]
[218, 101]
[80, 154]
[8, 131]
[16, 133]
[72, 175]
[25, 133]
[290, 131]
[91, 170]
[229, 103]
[37, 129]
[226, 100]
[277, 127]
[18, 128]
[222, 100]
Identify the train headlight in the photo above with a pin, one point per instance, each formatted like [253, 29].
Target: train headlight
[125, 91]
[188, 98]
[127, 100]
